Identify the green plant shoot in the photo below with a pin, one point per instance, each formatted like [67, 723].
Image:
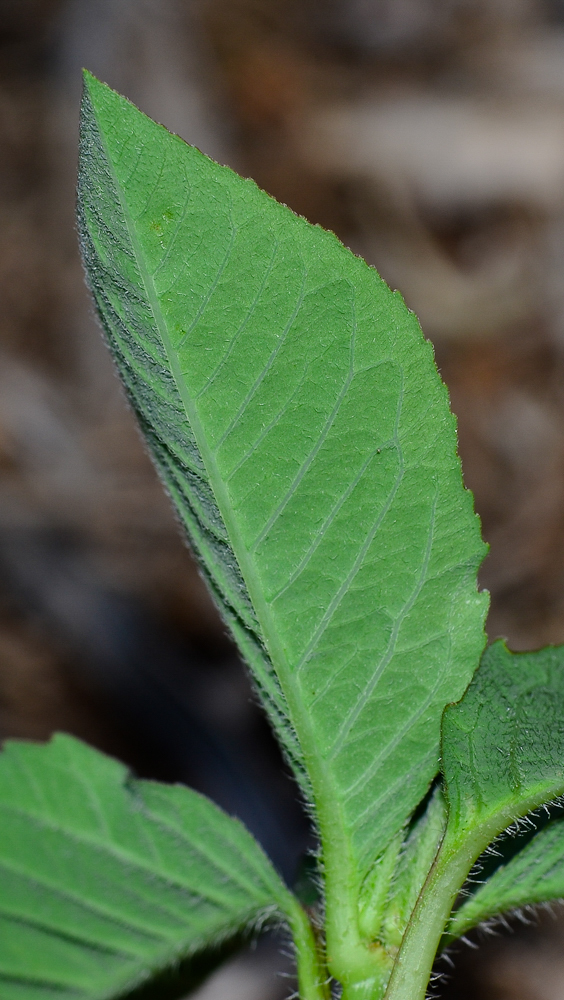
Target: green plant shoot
[296, 417]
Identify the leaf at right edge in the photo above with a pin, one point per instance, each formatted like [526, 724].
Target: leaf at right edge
[106, 880]
[503, 744]
[535, 875]
[302, 429]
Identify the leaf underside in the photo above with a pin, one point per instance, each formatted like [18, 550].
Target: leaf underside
[297, 419]
[106, 880]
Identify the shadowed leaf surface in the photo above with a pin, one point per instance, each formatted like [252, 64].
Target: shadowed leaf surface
[106, 880]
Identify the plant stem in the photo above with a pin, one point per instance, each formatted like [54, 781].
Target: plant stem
[313, 978]
[413, 966]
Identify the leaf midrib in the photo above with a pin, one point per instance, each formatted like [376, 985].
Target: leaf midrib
[328, 804]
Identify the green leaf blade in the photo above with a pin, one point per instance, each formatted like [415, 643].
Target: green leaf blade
[107, 880]
[121, 278]
[326, 502]
[503, 744]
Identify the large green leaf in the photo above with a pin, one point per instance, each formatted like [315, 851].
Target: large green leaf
[503, 744]
[105, 880]
[299, 423]
[534, 875]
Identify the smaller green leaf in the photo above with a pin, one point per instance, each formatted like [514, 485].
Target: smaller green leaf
[375, 888]
[416, 858]
[106, 880]
[503, 744]
[534, 875]
[502, 757]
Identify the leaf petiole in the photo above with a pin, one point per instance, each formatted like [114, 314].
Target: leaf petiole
[313, 977]
[412, 969]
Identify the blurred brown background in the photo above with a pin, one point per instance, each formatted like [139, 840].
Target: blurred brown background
[429, 135]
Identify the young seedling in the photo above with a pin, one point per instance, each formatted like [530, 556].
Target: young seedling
[298, 422]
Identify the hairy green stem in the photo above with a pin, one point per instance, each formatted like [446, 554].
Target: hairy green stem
[458, 852]
[460, 849]
[313, 978]
[413, 966]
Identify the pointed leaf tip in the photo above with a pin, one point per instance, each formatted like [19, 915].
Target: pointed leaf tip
[297, 418]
